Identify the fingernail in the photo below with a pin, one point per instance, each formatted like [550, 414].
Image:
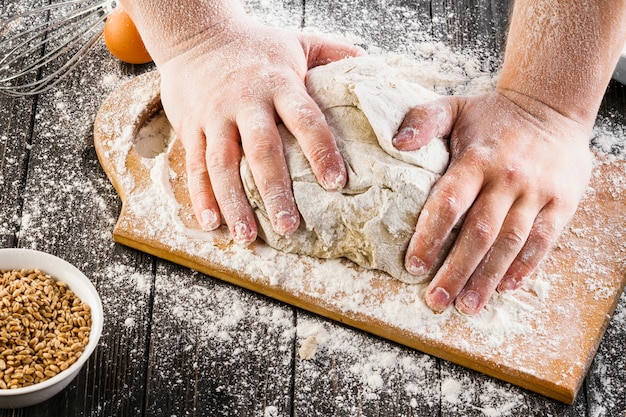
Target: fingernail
[243, 233]
[286, 223]
[334, 179]
[415, 266]
[469, 302]
[507, 284]
[438, 299]
[209, 220]
[403, 137]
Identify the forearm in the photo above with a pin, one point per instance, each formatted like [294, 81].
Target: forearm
[562, 53]
[168, 27]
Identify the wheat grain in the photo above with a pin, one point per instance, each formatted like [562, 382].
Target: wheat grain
[44, 327]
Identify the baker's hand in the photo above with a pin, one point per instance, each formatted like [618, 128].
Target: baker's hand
[224, 94]
[518, 170]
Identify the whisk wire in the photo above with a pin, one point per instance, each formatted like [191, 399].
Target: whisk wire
[58, 75]
[48, 25]
[42, 32]
[44, 84]
[33, 50]
[49, 39]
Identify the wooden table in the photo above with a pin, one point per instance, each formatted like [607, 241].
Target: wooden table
[178, 343]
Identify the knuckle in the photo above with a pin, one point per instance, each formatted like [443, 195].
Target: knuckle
[426, 246]
[448, 204]
[476, 156]
[196, 167]
[274, 76]
[319, 153]
[223, 160]
[482, 233]
[233, 206]
[263, 150]
[416, 115]
[197, 180]
[513, 174]
[217, 163]
[527, 260]
[543, 239]
[512, 238]
[245, 93]
[277, 196]
[201, 195]
[309, 119]
[259, 124]
[456, 277]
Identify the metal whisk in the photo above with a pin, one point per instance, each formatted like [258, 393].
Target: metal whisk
[40, 46]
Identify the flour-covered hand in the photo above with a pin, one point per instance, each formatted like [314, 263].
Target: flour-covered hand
[520, 159]
[518, 170]
[226, 81]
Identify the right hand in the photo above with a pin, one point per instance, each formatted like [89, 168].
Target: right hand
[517, 171]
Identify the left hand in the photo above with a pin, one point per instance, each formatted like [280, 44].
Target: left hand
[518, 170]
[224, 95]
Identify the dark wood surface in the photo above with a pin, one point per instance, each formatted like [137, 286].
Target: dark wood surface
[178, 343]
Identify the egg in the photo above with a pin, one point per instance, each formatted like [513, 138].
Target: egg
[123, 39]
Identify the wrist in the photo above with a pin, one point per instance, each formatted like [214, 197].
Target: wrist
[169, 31]
[547, 116]
[546, 104]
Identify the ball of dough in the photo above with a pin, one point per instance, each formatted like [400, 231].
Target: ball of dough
[371, 220]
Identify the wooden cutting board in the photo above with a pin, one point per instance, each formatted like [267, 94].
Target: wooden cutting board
[542, 337]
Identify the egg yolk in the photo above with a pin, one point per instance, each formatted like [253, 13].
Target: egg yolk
[122, 38]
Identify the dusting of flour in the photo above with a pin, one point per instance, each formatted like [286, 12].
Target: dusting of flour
[372, 363]
[331, 361]
[337, 286]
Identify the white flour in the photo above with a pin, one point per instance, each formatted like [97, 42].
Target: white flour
[493, 333]
[373, 365]
[508, 316]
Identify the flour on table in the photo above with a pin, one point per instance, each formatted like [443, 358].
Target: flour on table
[336, 286]
[372, 219]
[308, 348]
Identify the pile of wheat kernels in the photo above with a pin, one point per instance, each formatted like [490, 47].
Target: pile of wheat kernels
[44, 327]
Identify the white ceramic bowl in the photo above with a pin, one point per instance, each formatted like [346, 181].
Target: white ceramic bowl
[63, 271]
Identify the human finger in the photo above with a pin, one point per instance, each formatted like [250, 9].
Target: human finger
[450, 198]
[423, 123]
[307, 123]
[222, 160]
[483, 282]
[203, 201]
[478, 233]
[320, 50]
[543, 235]
[263, 148]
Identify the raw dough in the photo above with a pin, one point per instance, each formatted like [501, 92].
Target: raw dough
[373, 218]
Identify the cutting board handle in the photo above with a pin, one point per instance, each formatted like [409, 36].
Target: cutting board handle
[117, 123]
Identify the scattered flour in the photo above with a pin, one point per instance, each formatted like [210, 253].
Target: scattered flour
[452, 390]
[271, 411]
[374, 364]
[352, 292]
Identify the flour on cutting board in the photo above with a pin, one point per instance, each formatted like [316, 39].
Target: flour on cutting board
[376, 363]
[508, 315]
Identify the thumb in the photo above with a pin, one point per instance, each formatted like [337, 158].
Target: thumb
[321, 51]
[425, 122]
